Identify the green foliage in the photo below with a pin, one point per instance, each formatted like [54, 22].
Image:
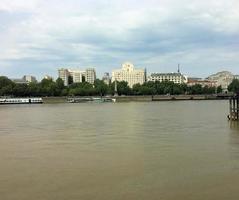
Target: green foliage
[21, 90]
[4, 81]
[81, 89]
[60, 84]
[6, 86]
[195, 89]
[219, 89]
[56, 88]
[122, 88]
[234, 86]
[100, 87]
[208, 90]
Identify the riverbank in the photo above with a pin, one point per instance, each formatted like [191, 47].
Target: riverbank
[147, 98]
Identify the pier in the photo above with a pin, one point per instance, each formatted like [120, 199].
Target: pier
[234, 108]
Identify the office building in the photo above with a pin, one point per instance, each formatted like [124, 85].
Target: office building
[129, 74]
[173, 77]
[77, 76]
[29, 78]
[64, 75]
[222, 79]
[90, 75]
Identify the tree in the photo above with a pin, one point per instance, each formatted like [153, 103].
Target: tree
[34, 89]
[136, 89]
[100, 87]
[234, 86]
[219, 89]
[6, 86]
[6, 90]
[4, 81]
[123, 88]
[48, 87]
[60, 84]
[196, 89]
[21, 90]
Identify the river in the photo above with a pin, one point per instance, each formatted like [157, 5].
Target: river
[184, 150]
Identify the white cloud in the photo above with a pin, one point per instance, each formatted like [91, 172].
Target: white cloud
[18, 5]
[152, 32]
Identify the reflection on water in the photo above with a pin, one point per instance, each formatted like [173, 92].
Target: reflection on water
[159, 150]
[234, 125]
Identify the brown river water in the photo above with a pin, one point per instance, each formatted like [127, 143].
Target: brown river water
[184, 150]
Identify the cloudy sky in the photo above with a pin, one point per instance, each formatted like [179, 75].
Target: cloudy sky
[39, 36]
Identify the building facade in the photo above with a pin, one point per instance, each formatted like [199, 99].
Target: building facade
[19, 81]
[29, 78]
[90, 75]
[64, 75]
[222, 79]
[78, 76]
[236, 77]
[129, 74]
[201, 82]
[26, 79]
[173, 77]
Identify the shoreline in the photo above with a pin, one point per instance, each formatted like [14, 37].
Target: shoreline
[147, 98]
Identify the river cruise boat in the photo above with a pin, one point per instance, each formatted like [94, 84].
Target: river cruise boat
[20, 101]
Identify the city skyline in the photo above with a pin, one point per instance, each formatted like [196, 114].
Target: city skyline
[41, 36]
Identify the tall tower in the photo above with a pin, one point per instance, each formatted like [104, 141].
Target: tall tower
[145, 74]
[178, 68]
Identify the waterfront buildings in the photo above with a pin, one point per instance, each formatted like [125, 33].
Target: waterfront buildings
[26, 79]
[64, 75]
[129, 74]
[19, 81]
[222, 79]
[173, 77]
[77, 76]
[236, 77]
[90, 75]
[203, 83]
[29, 78]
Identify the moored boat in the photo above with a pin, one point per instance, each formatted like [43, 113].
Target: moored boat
[89, 99]
[21, 100]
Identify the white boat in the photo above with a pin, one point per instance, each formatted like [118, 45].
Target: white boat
[21, 100]
[90, 99]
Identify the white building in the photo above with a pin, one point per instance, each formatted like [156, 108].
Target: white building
[129, 74]
[90, 75]
[223, 79]
[64, 75]
[173, 77]
[19, 81]
[25, 79]
[29, 78]
[78, 76]
[236, 77]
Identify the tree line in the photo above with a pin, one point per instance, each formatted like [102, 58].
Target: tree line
[56, 88]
